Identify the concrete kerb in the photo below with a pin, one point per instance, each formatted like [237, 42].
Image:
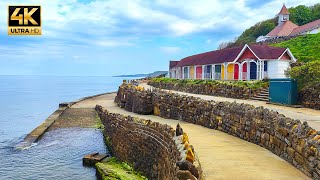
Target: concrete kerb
[36, 134]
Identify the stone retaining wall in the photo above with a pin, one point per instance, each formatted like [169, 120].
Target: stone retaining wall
[310, 97]
[149, 146]
[279, 39]
[223, 90]
[295, 142]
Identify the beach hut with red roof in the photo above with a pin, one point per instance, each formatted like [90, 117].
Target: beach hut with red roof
[248, 62]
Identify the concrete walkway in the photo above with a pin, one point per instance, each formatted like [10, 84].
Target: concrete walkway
[304, 114]
[221, 156]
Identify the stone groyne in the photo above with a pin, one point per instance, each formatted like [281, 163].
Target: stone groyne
[295, 142]
[36, 134]
[151, 148]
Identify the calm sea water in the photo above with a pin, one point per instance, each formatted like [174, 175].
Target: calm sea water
[26, 101]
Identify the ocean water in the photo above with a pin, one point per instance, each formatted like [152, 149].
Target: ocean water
[26, 101]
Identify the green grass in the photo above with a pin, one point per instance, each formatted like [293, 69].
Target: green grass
[304, 48]
[244, 84]
[113, 169]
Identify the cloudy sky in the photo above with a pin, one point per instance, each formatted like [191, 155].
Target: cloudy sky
[110, 37]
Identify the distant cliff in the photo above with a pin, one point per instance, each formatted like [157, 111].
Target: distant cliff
[154, 74]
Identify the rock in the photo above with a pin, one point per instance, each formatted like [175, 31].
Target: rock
[186, 165]
[190, 155]
[156, 110]
[92, 159]
[179, 130]
[298, 158]
[185, 175]
[185, 138]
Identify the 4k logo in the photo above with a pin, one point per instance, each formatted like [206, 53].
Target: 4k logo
[24, 20]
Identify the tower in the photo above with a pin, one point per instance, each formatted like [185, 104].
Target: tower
[283, 15]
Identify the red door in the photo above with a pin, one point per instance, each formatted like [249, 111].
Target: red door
[236, 72]
[199, 72]
[244, 71]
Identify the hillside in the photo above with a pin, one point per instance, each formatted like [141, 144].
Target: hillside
[304, 48]
[299, 15]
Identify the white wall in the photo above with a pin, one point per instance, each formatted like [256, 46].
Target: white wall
[276, 68]
[315, 31]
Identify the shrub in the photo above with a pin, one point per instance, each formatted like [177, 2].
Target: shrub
[306, 74]
[245, 84]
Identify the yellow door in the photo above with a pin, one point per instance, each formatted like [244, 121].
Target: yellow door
[222, 72]
[191, 72]
[230, 70]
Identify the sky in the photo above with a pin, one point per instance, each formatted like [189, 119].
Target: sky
[113, 37]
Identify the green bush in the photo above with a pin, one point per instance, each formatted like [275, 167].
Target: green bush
[246, 84]
[306, 74]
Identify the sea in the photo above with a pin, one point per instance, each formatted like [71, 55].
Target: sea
[25, 102]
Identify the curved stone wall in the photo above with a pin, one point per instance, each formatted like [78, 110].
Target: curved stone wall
[295, 142]
[150, 147]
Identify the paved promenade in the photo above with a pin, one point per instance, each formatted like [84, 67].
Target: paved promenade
[303, 114]
[221, 156]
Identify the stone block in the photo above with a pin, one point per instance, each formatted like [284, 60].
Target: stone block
[299, 158]
[186, 165]
[185, 175]
[290, 151]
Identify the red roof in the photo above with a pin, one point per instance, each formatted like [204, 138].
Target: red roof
[212, 57]
[283, 30]
[306, 27]
[284, 10]
[267, 52]
[173, 64]
[230, 54]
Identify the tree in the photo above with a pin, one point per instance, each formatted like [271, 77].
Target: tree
[264, 28]
[315, 10]
[301, 15]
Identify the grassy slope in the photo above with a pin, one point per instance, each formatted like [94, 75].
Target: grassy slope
[304, 48]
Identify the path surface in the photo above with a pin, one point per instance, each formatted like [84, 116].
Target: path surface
[304, 114]
[76, 117]
[221, 156]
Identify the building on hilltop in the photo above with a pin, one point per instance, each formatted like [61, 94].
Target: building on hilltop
[248, 62]
[286, 28]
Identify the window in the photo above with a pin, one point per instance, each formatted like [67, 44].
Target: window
[217, 72]
[265, 67]
[186, 72]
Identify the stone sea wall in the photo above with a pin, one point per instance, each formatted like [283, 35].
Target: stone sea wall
[295, 142]
[150, 147]
[310, 97]
[224, 90]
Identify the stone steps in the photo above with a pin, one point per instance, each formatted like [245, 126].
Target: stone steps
[263, 95]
